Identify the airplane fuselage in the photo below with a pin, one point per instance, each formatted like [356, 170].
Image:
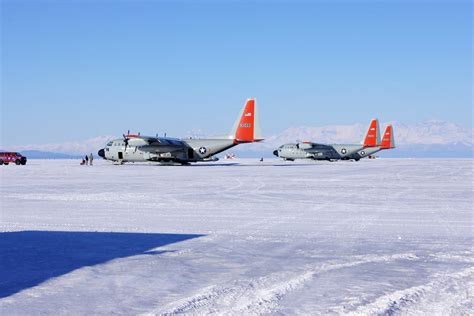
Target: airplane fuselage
[136, 148]
[369, 151]
[164, 150]
[317, 151]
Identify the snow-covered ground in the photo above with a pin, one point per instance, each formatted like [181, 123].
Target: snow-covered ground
[384, 236]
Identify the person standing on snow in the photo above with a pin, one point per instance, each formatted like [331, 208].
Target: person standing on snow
[91, 158]
[87, 160]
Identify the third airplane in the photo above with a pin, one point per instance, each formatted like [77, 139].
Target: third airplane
[318, 151]
[388, 142]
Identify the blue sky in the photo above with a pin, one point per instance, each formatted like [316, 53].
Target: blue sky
[77, 69]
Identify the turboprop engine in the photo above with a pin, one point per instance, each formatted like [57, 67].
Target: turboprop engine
[304, 145]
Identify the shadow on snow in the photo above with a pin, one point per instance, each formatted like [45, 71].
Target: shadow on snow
[28, 258]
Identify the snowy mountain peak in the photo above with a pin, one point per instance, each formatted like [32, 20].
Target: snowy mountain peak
[430, 135]
[427, 132]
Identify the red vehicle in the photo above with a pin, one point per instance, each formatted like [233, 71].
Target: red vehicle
[7, 157]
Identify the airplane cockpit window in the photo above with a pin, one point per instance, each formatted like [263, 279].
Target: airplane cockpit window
[110, 143]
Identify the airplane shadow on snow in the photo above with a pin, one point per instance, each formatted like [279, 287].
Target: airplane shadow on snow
[28, 258]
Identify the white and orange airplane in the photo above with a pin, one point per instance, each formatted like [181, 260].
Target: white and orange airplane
[388, 142]
[318, 151]
[136, 148]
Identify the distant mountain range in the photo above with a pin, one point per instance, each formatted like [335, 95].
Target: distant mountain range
[432, 138]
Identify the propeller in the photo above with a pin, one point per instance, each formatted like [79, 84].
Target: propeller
[125, 139]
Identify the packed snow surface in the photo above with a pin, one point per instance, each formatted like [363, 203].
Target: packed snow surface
[384, 236]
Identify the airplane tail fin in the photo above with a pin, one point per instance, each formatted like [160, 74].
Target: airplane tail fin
[247, 126]
[388, 141]
[372, 138]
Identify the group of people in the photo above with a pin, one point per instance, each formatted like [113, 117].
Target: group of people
[87, 160]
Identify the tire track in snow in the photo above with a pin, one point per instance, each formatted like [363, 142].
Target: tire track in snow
[260, 295]
[448, 294]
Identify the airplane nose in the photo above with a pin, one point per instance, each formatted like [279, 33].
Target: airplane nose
[275, 152]
[101, 153]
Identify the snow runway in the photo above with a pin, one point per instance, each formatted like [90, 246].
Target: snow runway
[385, 236]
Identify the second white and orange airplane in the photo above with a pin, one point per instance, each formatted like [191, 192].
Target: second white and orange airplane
[388, 142]
[317, 151]
[136, 148]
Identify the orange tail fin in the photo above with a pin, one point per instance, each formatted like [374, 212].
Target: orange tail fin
[247, 128]
[372, 138]
[388, 141]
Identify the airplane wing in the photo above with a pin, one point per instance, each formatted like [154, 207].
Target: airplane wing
[162, 145]
[314, 147]
[319, 151]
